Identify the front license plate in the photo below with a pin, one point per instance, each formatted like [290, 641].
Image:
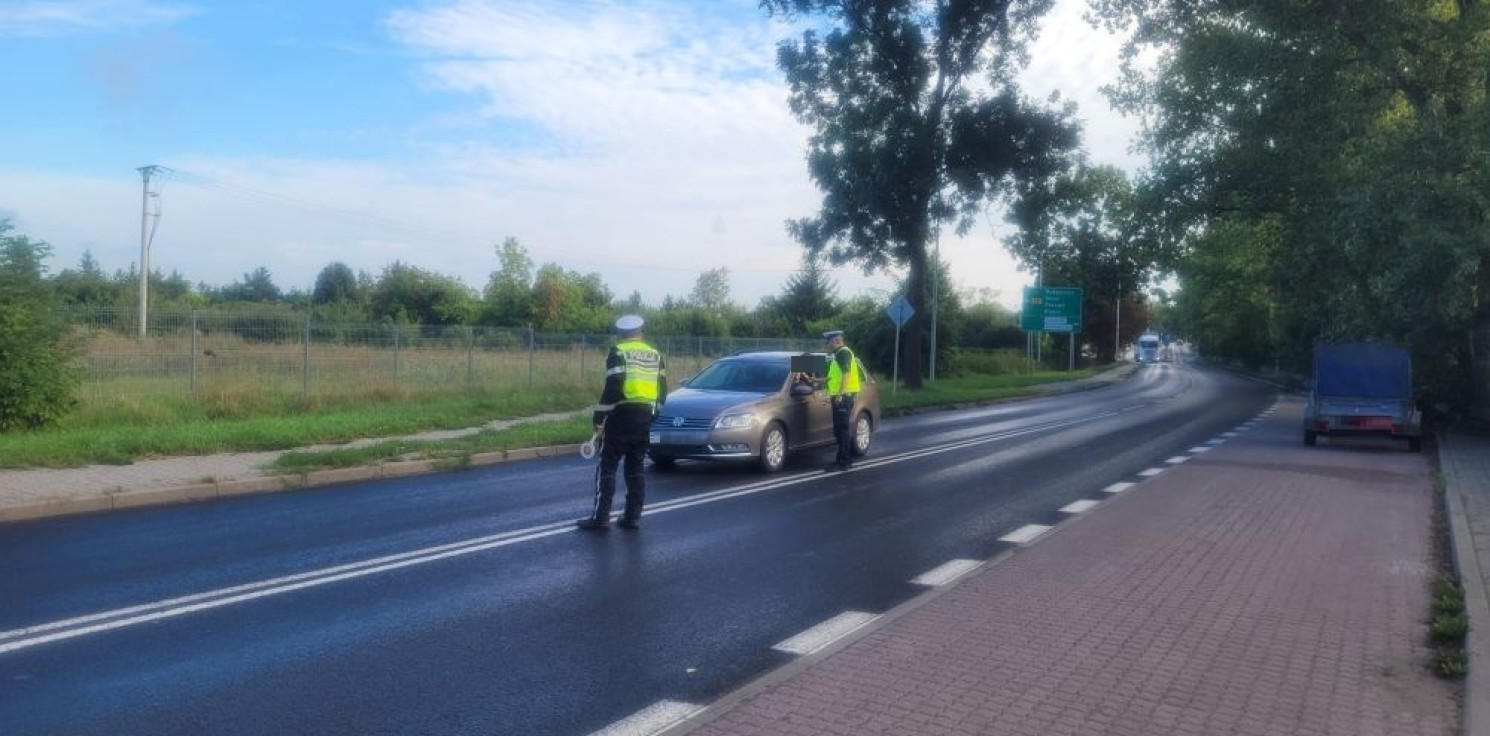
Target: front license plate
[678, 438]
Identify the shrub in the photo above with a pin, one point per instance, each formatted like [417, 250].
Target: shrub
[38, 370]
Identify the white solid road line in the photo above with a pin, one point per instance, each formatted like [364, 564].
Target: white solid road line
[265, 592]
[154, 611]
[654, 718]
[946, 573]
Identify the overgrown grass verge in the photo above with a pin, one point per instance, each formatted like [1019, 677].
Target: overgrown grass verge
[127, 432]
[1448, 628]
[124, 431]
[1448, 622]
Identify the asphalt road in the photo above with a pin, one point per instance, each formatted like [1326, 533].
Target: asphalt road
[466, 603]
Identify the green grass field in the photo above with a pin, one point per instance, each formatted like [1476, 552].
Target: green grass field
[138, 405]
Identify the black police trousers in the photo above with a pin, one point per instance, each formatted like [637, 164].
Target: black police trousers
[843, 430]
[626, 436]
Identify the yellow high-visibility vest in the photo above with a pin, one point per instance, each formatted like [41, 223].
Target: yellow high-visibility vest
[643, 368]
[840, 382]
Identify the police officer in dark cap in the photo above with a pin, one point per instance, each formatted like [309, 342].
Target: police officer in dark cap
[635, 386]
[843, 390]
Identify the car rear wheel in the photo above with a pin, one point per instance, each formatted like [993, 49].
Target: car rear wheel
[665, 463]
[1309, 438]
[1415, 444]
[773, 449]
[863, 435]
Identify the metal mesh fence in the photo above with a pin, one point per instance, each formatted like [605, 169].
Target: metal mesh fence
[198, 353]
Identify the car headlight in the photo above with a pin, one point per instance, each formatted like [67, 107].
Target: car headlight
[735, 421]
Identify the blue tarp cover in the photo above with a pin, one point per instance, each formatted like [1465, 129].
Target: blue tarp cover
[1362, 370]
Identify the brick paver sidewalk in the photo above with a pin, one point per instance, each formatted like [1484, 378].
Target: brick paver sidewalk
[1260, 588]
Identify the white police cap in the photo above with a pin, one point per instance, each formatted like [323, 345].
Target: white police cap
[830, 334]
[629, 323]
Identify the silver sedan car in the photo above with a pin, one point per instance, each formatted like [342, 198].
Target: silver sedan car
[748, 407]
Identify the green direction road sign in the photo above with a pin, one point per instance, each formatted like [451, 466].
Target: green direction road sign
[1051, 309]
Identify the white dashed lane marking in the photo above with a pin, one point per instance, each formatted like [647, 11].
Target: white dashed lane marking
[1025, 534]
[1077, 507]
[1118, 487]
[946, 573]
[825, 633]
[652, 719]
[1151, 472]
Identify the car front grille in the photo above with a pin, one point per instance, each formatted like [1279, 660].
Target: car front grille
[667, 422]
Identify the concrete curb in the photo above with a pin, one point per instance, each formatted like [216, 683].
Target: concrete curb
[123, 499]
[1476, 603]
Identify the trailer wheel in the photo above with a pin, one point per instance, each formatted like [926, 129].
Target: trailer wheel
[1415, 444]
[1310, 438]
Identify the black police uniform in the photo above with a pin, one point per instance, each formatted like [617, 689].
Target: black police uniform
[628, 423]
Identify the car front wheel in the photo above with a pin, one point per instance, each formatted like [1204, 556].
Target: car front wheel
[863, 435]
[773, 449]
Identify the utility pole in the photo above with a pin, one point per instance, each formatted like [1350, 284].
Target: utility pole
[147, 234]
[936, 266]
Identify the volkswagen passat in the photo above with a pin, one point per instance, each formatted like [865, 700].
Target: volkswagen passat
[748, 407]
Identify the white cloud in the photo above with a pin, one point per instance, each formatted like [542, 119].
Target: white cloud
[655, 144]
[54, 18]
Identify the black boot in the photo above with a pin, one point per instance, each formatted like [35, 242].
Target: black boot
[591, 523]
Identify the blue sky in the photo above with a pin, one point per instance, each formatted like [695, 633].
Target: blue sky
[646, 140]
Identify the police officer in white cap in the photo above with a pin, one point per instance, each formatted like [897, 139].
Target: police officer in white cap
[843, 391]
[635, 386]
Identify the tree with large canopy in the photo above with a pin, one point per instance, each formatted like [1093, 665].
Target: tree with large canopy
[918, 122]
[1334, 155]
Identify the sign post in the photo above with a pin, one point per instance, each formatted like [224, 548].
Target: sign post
[900, 311]
[1053, 309]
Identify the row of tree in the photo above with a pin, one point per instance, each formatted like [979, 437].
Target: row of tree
[1321, 172]
[549, 298]
[36, 350]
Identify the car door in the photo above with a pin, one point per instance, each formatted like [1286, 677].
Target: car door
[820, 414]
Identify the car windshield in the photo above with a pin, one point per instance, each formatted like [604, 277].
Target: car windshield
[741, 375]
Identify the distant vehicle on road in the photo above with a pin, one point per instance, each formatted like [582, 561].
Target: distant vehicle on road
[1363, 389]
[1148, 348]
[747, 407]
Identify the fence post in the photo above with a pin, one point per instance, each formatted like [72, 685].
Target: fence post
[305, 369]
[470, 352]
[395, 355]
[581, 358]
[531, 347]
[194, 354]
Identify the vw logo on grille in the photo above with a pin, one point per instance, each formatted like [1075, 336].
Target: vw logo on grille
[677, 421]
